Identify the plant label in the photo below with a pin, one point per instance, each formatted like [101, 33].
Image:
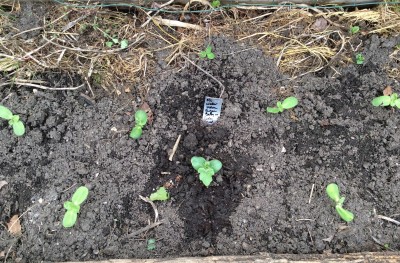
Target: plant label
[212, 110]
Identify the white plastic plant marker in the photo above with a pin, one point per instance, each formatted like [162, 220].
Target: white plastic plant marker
[211, 110]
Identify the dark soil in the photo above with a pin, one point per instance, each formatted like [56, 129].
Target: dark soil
[260, 202]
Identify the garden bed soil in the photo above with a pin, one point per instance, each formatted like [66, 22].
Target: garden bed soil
[261, 199]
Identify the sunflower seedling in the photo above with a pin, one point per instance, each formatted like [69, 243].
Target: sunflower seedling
[288, 103]
[73, 207]
[151, 244]
[354, 30]
[207, 53]
[215, 3]
[13, 120]
[206, 169]
[160, 195]
[387, 100]
[140, 121]
[359, 59]
[333, 192]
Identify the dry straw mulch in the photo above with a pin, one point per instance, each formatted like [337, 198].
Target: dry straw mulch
[73, 40]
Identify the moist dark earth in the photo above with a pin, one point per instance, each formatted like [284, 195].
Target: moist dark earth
[259, 202]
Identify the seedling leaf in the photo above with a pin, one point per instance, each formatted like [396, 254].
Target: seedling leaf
[216, 165]
[273, 110]
[398, 104]
[70, 206]
[381, 101]
[124, 43]
[215, 3]
[289, 103]
[136, 132]
[151, 244]
[203, 54]
[115, 40]
[205, 177]
[354, 29]
[344, 214]
[109, 44]
[333, 192]
[18, 128]
[141, 118]
[197, 162]
[359, 59]
[5, 113]
[69, 219]
[210, 55]
[80, 195]
[208, 49]
[160, 195]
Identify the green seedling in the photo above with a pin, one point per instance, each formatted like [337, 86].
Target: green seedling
[207, 53]
[151, 244]
[386, 246]
[359, 59]
[288, 103]
[354, 30]
[215, 3]
[333, 192]
[123, 43]
[160, 195]
[387, 100]
[73, 207]
[13, 120]
[206, 169]
[140, 122]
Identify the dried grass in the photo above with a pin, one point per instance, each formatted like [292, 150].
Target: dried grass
[73, 40]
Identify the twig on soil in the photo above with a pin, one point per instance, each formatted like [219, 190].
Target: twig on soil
[208, 74]
[23, 82]
[37, 28]
[304, 219]
[389, 219]
[174, 148]
[153, 225]
[380, 243]
[137, 36]
[6, 98]
[147, 200]
[173, 23]
[311, 193]
[8, 252]
[26, 211]
[144, 229]
[158, 11]
[69, 188]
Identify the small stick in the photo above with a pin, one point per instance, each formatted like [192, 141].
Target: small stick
[158, 11]
[6, 98]
[208, 74]
[40, 86]
[144, 229]
[304, 219]
[174, 148]
[389, 219]
[311, 194]
[147, 200]
[8, 252]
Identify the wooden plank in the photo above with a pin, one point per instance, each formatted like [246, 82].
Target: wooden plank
[368, 257]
